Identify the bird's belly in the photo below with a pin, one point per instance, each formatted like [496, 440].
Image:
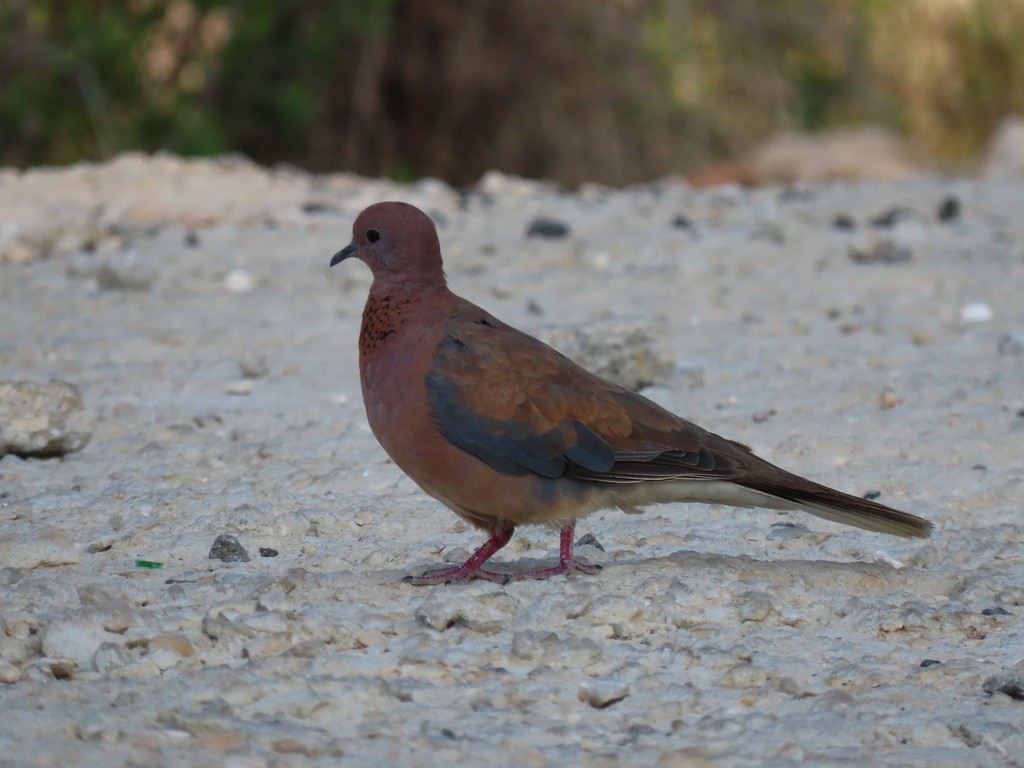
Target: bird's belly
[398, 416]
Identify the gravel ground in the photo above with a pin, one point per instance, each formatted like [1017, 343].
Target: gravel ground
[868, 336]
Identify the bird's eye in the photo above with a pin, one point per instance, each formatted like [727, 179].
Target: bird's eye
[372, 235]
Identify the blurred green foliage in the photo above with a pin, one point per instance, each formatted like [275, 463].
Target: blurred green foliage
[954, 67]
[90, 78]
[609, 90]
[283, 67]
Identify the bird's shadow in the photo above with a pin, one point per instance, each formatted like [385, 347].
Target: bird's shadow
[855, 577]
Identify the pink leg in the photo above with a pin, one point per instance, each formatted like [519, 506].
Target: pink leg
[472, 568]
[566, 560]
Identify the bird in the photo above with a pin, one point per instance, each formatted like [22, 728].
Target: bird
[506, 431]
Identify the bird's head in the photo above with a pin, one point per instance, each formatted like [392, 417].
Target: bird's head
[397, 241]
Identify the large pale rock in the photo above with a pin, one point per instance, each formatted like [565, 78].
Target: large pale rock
[42, 420]
[866, 152]
[50, 546]
[77, 639]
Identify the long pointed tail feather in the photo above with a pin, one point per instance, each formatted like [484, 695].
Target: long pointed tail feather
[843, 508]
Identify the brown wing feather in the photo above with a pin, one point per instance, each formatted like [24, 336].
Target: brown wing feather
[521, 406]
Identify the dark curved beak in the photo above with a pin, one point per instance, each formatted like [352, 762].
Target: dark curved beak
[344, 253]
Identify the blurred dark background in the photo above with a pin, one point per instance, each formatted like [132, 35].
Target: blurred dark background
[614, 91]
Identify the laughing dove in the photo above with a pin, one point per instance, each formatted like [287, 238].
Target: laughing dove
[506, 431]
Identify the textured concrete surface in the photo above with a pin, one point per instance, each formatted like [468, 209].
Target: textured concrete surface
[847, 332]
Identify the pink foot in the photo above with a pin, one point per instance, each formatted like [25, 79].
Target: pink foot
[473, 567]
[567, 562]
[469, 570]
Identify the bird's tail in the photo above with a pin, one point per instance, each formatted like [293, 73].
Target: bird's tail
[841, 507]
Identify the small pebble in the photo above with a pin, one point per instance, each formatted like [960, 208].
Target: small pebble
[61, 669]
[949, 210]
[754, 607]
[882, 252]
[123, 277]
[253, 365]
[602, 693]
[274, 600]
[226, 547]
[268, 552]
[591, 540]
[976, 312]
[890, 400]
[9, 673]
[473, 606]
[178, 643]
[317, 206]
[883, 559]
[289, 746]
[238, 281]
[890, 218]
[844, 221]
[769, 231]
[547, 228]
[1010, 344]
[796, 194]
[996, 611]
[163, 658]
[220, 628]
[208, 420]
[930, 663]
[1011, 685]
[108, 657]
[239, 388]
[744, 676]
[18, 253]
[681, 222]
[786, 531]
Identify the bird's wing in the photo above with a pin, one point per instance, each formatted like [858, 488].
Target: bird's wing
[521, 407]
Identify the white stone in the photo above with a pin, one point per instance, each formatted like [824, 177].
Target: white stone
[77, 640]
[239, 281]
[976, 312]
